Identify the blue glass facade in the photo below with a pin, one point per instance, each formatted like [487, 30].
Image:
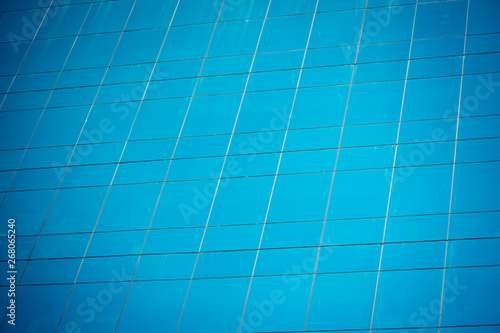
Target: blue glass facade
[235, 166]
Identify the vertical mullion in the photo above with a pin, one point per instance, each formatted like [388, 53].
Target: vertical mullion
[393, 168]
[278, 167]
[335, 165]
[453, 168]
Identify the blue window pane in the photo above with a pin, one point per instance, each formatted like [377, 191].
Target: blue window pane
[383, 71]
[350, 188]
[135, 48]
[221, 301]
[193, 38]
[474, 225]
[422, 289]
[110, 16]
[273, 306]
[470, 296]
[14, 132]
[424, 153]
[336, 28]
[60, 246]
[286, 261]
[423, 68]
[122, 203]
[32, 219]
[197, 11]
[264, 110]
[482, 17]
[387, 24]
[166, 266]
[438, 47]
[416, 228]
[369, 135]
[221, 65]
[241, 10]
[357, 231]
[424, 101]
[291, 192]
[126, 242]
[292, 234]
[480, 127]
[168, 116]
[212, 115]
[252, 164]
[366, 158]
[478, 95]
[307, 161]
[278, 60]
[225, 264]
[421, 190]
[340, 258]
[285, 33]
[197, 168]
[107, 269]
[364, 98]
[473, 253]
[151, 14]
[413, 255]
[184, 204]
[318, 138]
[141, 172]
[383, 51]
[328, 5]
[313, 77]
[101, 312]
[315, 107]
[51, 271]
[232, 238]
[158, 302]
[68, 22]
[92, 51]
[478, 150]
[445, 18]
[74, 210]
[239, 37]
[241, 201]
[37, 314]
[348, 299]
[173, 240]
[475, 193]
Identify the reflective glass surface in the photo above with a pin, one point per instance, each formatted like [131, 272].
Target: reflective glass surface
[234, 166]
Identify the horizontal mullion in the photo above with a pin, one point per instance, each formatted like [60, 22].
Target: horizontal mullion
[205, 23]
[274, 152]
[268, 223]
[249, 73]
[262, 275]
[249, 176]
[244, 54]
[247, 92]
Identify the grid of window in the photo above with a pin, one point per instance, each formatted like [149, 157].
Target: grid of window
[251, 166]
